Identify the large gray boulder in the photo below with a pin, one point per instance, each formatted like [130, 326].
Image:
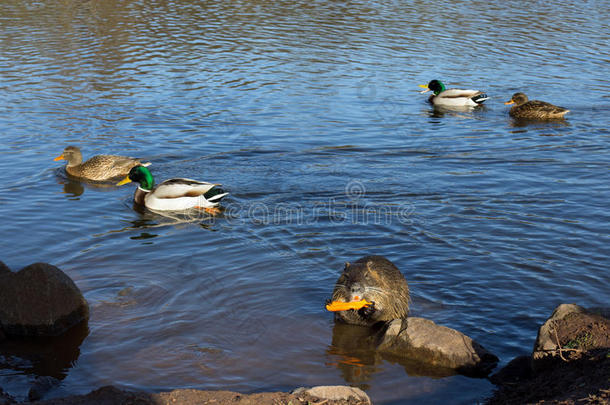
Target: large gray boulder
[440, 346]
[39, 300]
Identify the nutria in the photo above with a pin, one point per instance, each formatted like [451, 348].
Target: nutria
[377, 280]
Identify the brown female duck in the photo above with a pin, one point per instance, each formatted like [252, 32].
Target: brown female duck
[534, 109]
[98, 168]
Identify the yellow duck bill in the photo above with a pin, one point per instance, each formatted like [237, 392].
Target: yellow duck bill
[124, 181]
[424, 86]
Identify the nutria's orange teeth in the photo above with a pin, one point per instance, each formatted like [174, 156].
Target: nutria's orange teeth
[344, 306]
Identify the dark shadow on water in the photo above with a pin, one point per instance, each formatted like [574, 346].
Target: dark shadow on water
[144, 235]
[353, 352]
[50, 356]
[523, 122]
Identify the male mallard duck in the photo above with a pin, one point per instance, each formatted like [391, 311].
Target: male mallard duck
[453, 97]
[98, 168]
[534, 109]
[173, 194]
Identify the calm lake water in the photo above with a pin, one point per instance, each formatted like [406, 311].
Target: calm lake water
[309, 114]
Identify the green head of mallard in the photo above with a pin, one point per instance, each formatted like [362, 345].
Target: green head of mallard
[435, 85]
[139, 174]
[72, 154]
[517, 99]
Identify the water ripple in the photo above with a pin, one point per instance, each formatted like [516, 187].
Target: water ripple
[309, 114]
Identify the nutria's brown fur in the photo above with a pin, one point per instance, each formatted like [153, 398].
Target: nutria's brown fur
[377, 280]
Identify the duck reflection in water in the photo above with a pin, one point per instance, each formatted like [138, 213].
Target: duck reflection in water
[464, 112]
[74, 188]
[149, 219]
[528, 122]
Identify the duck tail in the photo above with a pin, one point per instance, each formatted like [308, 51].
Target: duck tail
[479, 98]
[217, 197]
[145, 164]
[215, 194]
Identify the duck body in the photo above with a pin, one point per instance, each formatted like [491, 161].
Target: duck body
[443, 97]
[98, 168]
[534, 109]
[176, 194]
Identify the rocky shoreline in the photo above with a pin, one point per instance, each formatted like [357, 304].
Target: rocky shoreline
[569, 364]
[328, 395]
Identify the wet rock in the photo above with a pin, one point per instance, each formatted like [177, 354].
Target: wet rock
[425, 341]
[517, 370]
[335, 393]
[4, 269]
[39, 300]
[41, 386]
[570, 330]
[569, 363]
[543, 341]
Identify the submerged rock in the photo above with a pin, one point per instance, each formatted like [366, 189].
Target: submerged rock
[40, 386]
[423, 340]
[39, 300]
